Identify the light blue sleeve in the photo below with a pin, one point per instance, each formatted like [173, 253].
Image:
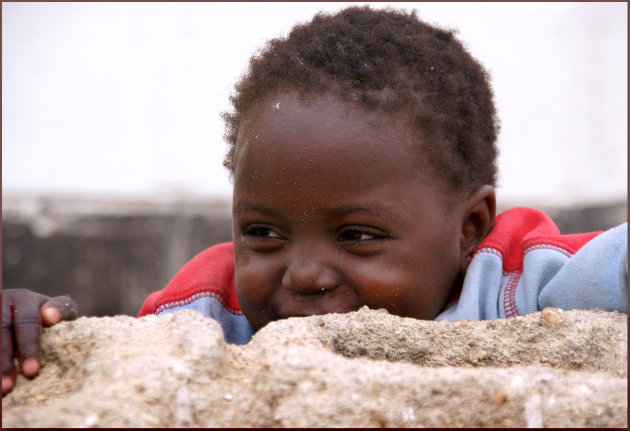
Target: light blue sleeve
[236, 328]
[594, 277]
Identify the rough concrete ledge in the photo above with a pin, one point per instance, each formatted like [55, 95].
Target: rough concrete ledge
[367, 368]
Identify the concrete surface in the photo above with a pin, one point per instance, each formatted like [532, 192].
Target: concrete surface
[361, 369]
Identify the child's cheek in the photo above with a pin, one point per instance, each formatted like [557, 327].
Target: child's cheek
[381, 287]
[401, 289]
[254, 290]
[255, 281]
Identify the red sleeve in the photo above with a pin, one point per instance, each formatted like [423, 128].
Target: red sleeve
[211, 271]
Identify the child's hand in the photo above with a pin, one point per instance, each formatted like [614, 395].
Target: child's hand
[23, 313]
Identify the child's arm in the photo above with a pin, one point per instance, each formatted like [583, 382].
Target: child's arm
[23, 313]
[205, 284]
[595, 277]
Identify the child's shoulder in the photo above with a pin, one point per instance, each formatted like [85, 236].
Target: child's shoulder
[520, 230]
[211, 272]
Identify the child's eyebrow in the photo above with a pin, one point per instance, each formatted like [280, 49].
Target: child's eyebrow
[371, 208]
[241, 207]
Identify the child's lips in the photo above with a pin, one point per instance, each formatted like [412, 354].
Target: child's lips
[309, 306]
[307, 314]
[286, 315]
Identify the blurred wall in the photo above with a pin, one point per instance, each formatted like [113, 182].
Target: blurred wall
[107, 254]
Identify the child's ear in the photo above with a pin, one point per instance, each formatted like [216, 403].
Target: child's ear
[478, 220]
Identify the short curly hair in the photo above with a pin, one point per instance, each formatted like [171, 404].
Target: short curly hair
[391, 61]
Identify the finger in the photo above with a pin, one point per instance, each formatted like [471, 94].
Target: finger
[58, 309]
[8, 367]
[27, 326]
[8, 381]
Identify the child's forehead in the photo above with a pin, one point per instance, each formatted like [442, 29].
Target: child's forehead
[321, 123]
[322, 138]
[325, 112]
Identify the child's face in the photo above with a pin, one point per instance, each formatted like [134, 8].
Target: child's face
[332, 212]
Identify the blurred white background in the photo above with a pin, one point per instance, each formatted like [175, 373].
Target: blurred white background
[124, 98]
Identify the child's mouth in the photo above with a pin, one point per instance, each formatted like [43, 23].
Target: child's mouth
[312, 308]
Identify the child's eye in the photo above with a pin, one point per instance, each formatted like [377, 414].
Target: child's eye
[359, 235]
[261, 232]
[261, 239]
[363, 240]
[355, 235]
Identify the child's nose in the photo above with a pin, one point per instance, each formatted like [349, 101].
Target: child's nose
[309, 275]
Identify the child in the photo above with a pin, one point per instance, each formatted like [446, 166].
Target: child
[362, 149]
